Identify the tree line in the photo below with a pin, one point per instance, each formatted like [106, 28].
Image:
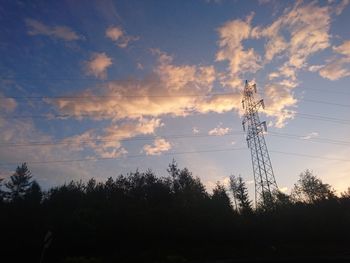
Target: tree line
[141, 217]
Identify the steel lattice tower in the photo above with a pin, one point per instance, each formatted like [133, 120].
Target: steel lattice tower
[265, 183]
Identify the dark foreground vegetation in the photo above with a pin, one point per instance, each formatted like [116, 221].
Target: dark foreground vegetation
[144, 218]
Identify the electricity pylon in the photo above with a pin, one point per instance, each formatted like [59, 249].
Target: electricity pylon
[265, 183]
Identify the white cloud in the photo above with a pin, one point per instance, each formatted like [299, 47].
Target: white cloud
[159, 145]
[283, 189]
[195, 130]
[310, 136]
[117, 34]
[250, 182]
[315, 68]
[98, 64]
[61, 32]
[219, 131]
[225, 182]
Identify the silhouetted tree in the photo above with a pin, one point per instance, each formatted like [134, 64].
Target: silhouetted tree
[346, 194]
[220, 196]
[140, 217]
[2, 193]
[240, 193]
[33, 193]
[281, 199]
[233, 188]
[311, 189]
[19, 183]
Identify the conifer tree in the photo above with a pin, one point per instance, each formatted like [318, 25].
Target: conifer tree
[19, 183]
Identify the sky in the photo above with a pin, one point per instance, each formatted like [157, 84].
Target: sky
[102, 88]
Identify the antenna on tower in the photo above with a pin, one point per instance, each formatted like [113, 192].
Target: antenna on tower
[265, 183]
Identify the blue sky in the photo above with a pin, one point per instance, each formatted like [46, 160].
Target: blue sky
[135, 84]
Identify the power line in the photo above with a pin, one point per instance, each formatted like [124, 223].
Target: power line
[66, 116]
[82, 98]
[129, 156]
[174, 153]
[311, 156]
[116, 96]
[108, 80]
[311, 139]
[174, 136]
[326, 102]
[179, 136]
[313, 116]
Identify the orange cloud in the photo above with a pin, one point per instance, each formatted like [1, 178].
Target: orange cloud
[62, 32]
[117, 34]
[338, 66]
[159, 145]
[169, 90]
[231, 49]
[98, 64]
[109, 142]
[308, 34]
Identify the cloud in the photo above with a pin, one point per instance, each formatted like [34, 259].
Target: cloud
[195, 130]
[310, 136]
[98, 64]
[336, 69]
[291, 39]
[308, 34]
[23, 131]
[219, 131]
[264, 2]
[61, 32]
[174, 90]
[108, 143]
[338, 9]
[116, 34]
[315, 68]
[159, 145]
[8, 105]
[139, 66]
[343, 49]
[283, 189]
[231, 36]
[94, 143]
[250, 182]
[339, 65]
[278, 98]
